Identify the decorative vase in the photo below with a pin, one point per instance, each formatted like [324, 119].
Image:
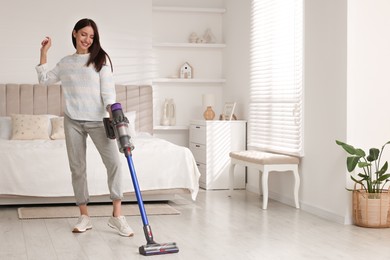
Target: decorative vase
[171, 112]
[165, 113]
[209, 36]
[193, 37]
[209, 114]
[371, 209]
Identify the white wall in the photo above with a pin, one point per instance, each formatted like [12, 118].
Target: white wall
[189, 3]
[236, 30]
[323, 167]
[368, 73]
[124, 27]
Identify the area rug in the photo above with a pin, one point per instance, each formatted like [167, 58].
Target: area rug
[93, 210]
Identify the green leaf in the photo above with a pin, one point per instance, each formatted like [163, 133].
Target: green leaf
[348, 148]
[359, 152]
[357, 181]
[352, 161]
[363, 176]
[363, 164]
[373, 155]
[383, 177]
[383, 169]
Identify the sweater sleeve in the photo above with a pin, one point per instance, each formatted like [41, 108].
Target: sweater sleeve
[107, 86]
[47, 77]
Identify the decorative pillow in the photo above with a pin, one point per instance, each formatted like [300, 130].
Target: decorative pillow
[131, 115]
[29, 127]
[5, 127]
[57, 128]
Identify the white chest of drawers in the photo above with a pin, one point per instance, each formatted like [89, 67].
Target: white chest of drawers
[210, 143]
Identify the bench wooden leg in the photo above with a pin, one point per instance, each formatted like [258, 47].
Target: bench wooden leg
[296, 187]
[264, 183]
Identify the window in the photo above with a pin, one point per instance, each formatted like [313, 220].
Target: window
[276, 92]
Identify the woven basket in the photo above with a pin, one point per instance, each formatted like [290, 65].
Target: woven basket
[371, 209]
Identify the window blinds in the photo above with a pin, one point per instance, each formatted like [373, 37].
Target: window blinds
[276, 90]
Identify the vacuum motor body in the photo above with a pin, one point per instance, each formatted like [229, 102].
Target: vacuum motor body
[118, 128]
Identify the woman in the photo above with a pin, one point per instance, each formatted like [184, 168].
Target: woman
[89, 89]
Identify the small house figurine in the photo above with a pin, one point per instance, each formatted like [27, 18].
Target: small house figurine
[186, 71]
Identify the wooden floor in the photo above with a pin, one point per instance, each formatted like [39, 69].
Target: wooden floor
[215, 227]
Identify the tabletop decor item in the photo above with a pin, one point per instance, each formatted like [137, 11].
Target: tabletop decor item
[228, 110]
[186, 71]
[208, 101]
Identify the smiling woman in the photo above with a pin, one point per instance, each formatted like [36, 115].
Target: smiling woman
[88, 87]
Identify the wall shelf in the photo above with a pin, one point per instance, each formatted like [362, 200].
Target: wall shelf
[189, 45]
[178, 80]
[172, 28]
[189, 9]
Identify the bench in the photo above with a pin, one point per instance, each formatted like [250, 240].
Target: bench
[265, 162]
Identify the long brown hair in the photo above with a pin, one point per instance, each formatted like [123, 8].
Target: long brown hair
[97, 54]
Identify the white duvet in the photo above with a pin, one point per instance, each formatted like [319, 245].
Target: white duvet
[40, 168]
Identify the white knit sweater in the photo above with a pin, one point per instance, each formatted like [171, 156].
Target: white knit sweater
[86, 92]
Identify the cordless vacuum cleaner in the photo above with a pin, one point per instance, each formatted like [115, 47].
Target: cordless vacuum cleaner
[117, 128]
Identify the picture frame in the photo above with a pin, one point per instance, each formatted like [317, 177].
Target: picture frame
[228, 111]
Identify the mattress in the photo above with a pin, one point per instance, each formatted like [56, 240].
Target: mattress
[40, 168]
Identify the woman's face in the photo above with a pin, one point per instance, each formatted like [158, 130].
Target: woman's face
[84, 39]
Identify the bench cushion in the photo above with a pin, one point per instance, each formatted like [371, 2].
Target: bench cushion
[263, 158]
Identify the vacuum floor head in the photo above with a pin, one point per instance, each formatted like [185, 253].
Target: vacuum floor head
[158, 249]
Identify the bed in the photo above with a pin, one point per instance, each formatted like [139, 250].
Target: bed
[36, 170]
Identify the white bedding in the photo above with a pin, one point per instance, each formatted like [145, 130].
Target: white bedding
[40, 168]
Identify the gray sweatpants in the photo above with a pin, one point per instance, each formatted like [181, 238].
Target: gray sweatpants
[76, 133]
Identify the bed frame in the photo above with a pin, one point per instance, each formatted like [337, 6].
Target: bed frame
[41, 99]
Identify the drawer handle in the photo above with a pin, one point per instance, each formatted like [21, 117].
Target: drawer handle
[197, 145]
[197, 127]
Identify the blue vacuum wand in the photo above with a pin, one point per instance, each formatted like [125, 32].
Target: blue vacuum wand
[117, 128]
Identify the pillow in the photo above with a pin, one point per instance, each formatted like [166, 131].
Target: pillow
[29, 127]
[131, 115]
[57, 128]
[5, 127]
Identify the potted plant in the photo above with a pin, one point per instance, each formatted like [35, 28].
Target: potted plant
[371, 200]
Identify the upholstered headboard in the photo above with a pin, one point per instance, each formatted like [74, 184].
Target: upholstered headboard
[41, 99]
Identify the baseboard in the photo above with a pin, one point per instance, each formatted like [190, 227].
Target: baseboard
[252, 188]
[305, 207]
[311, 209]
[326, 214]
[283, 199]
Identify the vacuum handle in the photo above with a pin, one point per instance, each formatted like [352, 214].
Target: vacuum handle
[137, 190]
